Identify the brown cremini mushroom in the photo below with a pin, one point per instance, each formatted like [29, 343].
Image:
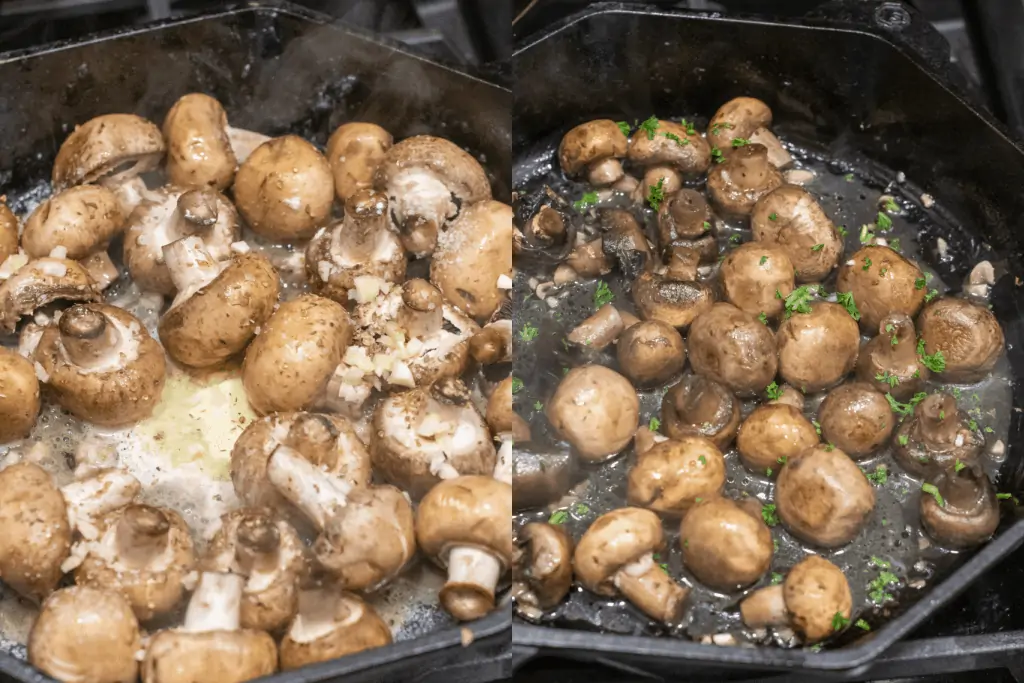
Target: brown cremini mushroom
[676, 298]
[734, 348]
[501, 417]
[856, 419]
[651, 353]
[80, 219]
[109, 149]
[19, 396]
[199, 153]
[819, 348]
[737, 184]
[593, 149]
[596, 410]
[738, 118]
[792, 220]
[882, 283]
[968, 336]
[963, 511]
[756, 278]
[8, 232]
[588, 259]
[936, 437]
[543, 568]
[40, 282]
[890, 362]
[355, 150]
[599, 330]
[772, 434]
[541, 474]
[725, 545]
[673, 475]
[493, 343]
[331, 624]
[662, 179]
[700, 406]
[671, 144]
[685, 220]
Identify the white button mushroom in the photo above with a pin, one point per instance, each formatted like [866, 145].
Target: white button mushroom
[199, 153]
[817, 349]
[331, 624]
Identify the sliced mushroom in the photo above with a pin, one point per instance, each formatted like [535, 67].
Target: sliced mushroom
[968, 336]
[199, 153]
[699, 406]
[725, 545]
[19, 397]
[651, 353]
[40, 282]
[936, 437]
[331, 624]
[889, 362]
[80, 219]
[737, 184]
[791, 219]
[616, 555]
[355, 150]
[818, 349]
[685, 220]
[968, 513]
[543, 568]
[676, 299]
[8, 232]
[882, 283]
[756, 278]
[734, 348]
[673, 475]
[110, 149]
[671, 144]
[856, 418]
[596, 410]
[594, 149]
[773, 434]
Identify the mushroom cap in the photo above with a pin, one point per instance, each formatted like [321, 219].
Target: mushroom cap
[81, 219]
[294, 355]
[675, 302]
[545, 564]
[8, 232]
[541, 474]
[102, 146]
[673, 475]
[751, 275]
[468, 511]
[700, 406]
[738, 118]
[685, 219]
[355, 150]
[735, 185]
[615, 539]
[938, 435]
[199, 153]
[285, 189]
[596, 410]
[969, 514]
[501, 417]
[725, 545]
[773, 434]
[882, 283]
[36, 536]
[800, 228]
[815, 590]
[221, 319]
[19, 396]
[969, 337]
[856, 418]
[471, 255]
[86, 634]
[651, 352]
[175, 656]
[881, 358]
[823, 498]
[40, 282]
[108, 396]
[591, 142]
[689, 153]
[731, 346]
[818, 349]
[331, 624]
[328, 441]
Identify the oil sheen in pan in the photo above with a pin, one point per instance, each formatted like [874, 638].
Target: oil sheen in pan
[894, 534]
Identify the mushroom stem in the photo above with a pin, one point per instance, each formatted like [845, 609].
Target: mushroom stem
[472, 578]
[318, 436]
[492, 344]
[190, 264]
[652, 590]
[682, 264]
[216, 603]
[366, 217]
[547, 226]
[749, 168]
[89, 339]
[503, 468]
[939, 420]
[961, 490]
[309, 488]
[423, 310]
[765, 607]
[599, 330]
[143, 534]
[89, 499]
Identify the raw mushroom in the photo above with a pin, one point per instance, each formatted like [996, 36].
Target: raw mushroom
[699, 406]
[40, 282]
[817, 349]
[245, 142]
[734, 348]
[746, 118]
[108, 149]
[773, 434]
[465, 525]
[823, 498]
[86, 635]
[493, 343]
[290, 361]
[969, 512]
[737, 184]
[331, 624]
[19, 396]
[501, 418]
[616, 555]
[599, 330]
[936, 437]
[650, 353]
[792, 220]
[8, 232]
[685, 220]
[361, 244]
[285, 189]
[427, 434]
[366, 534]
[101, 268]
[882, 283]
[543, 568]
[856, 418]
[144, 553]
[429, 181]
[968, 336]
[268, 552]
[676, 298]
[355, 150]
[80, 219]
[889, 362]
[673, 475]
[210, 646]
[814, 592]
[593, 149]
[596, 410]
[101, 365]
[199, 153]
[756, 278]
[726, 545]
[671, 144]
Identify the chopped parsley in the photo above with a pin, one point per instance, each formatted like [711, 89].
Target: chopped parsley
[586, 201]
[895, 245]
[932, 293]
[768, 514]
[958, 465]
[775, 544]
[887, 377]
[866, 234]
[919, 283]
[654, 425]
[839, 622]
[883, 271]
[988, 430]
[867, 263]
[817, 247]
[903, 439]
[528, 333]
[706, 225]
[934, 492]
[664, 567]
[739, 142]
[517, 384]
[716, 154]
[1008, 496]
[845, 300]
[879, 476]
[764, 260]
[817, 427]
[773, 391]
[690, 130]
[891, 206]
[799, 300]
[883, 222]
[676, 139]
[848, 177]
[773, 216]
[905, 408]
[880, 563]
[715, 129]
[656, 195]
[736, 239]
[558, 517]
[935, 362]
[777, 578]
[972, 425]
[650, 126]
[580, 509]
[603, 294]
[829, 447]
[841, 229]
[624, 127]
[876, 588]
[763, 318]
[767, 471]
[781, 460]
[863, 625]
[537, 405]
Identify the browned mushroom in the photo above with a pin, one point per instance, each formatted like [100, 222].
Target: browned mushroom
[773, 434]
[596, 410]
[817, 349]
[331, 623]
[726, 545]
[685, 220]
[199, 150]
[791, 219]
[882, 283]
[594, 148]
[599, 330]
[543, 568]
[890, 362]
[676, 299]
[40, 282]
[856, 418]
[8, 232]
[108, 149]
[667, 143]
[355, 150]
[968, 336]
[673, 475]
[735, 185]
[734, 348]
[757, 277]
[19, 396]
[700, 406]
[961, 510]
[936, 437]
[651, 353]
[746, 119]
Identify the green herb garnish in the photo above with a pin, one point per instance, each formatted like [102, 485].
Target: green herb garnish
[763, 318]
[517, 384]
[716, 154]
[879, 476]
[624, 127]
[654, 425]
[887, 377]
[586, 201]
[773, 391]
[958, 465]
[603, 294]
[817, 247]
[876, 589]
[579, 509]
[848, 177]
[905, 408]
[528, 332]
[773, 216]
[650, 126]
[934, 492]
[895, 245]
[767, 471]
[903, 439]
[777, 578]
[764, 260]
[867, 264]
[817, 427]
[863, 625]
[676, 139]
[891, 206]
[883, 222]
[845, 299]
[768, 514]
[799, 300]
[935, 362]
[919, 283]
[739, 142]
[932, 293]
[839, 622]
[841, 229]
[656, 195]
[715, 129]
[558, 517]
[537, 405]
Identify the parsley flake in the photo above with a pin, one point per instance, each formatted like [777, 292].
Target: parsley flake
[863, 625]
[716, 154]
[764, 260]
[517, 384]
[799, 300]
[654, 425]
[958, 465]
[903, 439]
[773, 216]
[703, 460]
[905, 408]
[676, 139]
[558, 517]
[919, 283]
[841, 229]
[887, 377]
[763, 318]
[932, 293]
[777, 578]
[740, 142]
[624, 127]
[586, 201]
[883, 222]
[879, 476]
[867, 264]
[817, 247]
[537, 405]
[935, 362]
[845, 299]
[528, 333]
[773, 391]
[656, 195]
[934, 492]
[768, 514]
[839, 622]
[650, 126]
[603, 294]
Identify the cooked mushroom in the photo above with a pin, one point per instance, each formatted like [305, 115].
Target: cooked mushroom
[501, 418]
[823, 498]
[599, 330]
[675, 298]
[670, 144]
[725, 545]
[699, 406]
[86, 634]
[856, 418]
[738, 119]
[882, 283]
[465, 525]
[361, 244]
[673, 475]
[298, 348]
[355, 150]
[889, 362]
[734, 348]
[80, 219]
[962, 511]
[737, 184]
[685, 220]
[101, 269]
[366, 534]
[624, 240]
[936, 437]
[144, 553]
[108, 149]
[792, 220]
[331, 624]
[665, 178]
[757, 277]
[210, 645]
[245, 142]
[774, 433]
[285, 189]
[968, 336]
[593, 149]
[814, 592]
[199, 153]
[429, 181]
[8, 232]
[541, 474]
[588, 259]
[493, 343]
[543, 568]
[101, 365]
[40, 282]
[427, 434]
[819, 348]
[547, 226]
[616, 555]
[596, 410]
[651, 353]
[19, 396]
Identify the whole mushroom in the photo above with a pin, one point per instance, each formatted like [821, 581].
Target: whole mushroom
[890, 362]
[725, 545]
[746, 119]
[882, 283]
[774, 433]
[792, 220]
[731, 346]
[699, 406]
[502, 418]
[968, 336]
[355, 150]
[671, 144]
[543, 569]
[331, 624]
[856, 418]
[737, 184]
[199, 153]
[963, 510]
[651, 353]
[817, 349]
[593, 149]
[676, 297]
[685, 220]
[108, 149]
[541, 474]
[596, 410]
[80, 219]
[40, 282]
[756, 278]
[19, 396]
[674, 475]
[936, 437]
